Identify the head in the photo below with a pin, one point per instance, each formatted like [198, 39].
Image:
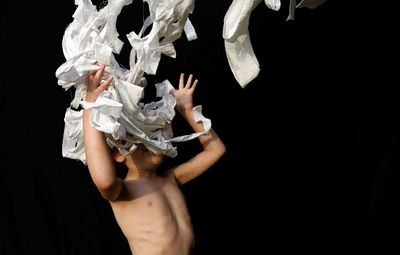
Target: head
[142, 159]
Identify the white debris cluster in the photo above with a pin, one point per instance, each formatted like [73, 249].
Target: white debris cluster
[92, 39]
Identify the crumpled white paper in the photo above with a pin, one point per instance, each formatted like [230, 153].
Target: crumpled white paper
[92, 38]
[239, 51]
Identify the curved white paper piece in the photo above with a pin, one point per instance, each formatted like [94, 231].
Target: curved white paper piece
[242, 60]
[91, 39]
[239, 51]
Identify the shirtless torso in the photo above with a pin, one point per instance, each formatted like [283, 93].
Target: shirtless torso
[153, 216]
[150, 209]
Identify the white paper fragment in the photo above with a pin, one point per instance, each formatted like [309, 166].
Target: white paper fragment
[239, 51]
[199, 118]
[72, 145]
[292, 10]
[242, 60]
[91, 39]
[273, 4]
[190, 31]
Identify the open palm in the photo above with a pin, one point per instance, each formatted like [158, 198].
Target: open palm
[184, 93]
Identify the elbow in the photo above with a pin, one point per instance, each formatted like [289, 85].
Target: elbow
[221, 150]
[112, 192]
[109, 195]
[107, 187]
[218, 150]
[102, 182]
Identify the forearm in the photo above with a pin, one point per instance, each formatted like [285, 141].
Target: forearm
[213, 149]
[188, 115]
[99, 160]
[210, 141]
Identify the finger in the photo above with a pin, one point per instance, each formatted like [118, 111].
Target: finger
[105, 84]
[172, 92]
[181, 80]
[100, 72]
[189, 81]
[194, 85]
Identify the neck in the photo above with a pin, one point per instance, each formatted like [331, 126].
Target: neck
[134, 174]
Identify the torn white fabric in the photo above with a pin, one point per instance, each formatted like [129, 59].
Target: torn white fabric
[92, 39]
[239, 51]
[168, 19]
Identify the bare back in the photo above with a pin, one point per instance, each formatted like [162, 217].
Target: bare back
[152, 214]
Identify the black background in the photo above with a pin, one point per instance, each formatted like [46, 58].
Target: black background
[312, 159]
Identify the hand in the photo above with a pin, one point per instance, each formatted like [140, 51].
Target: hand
[94, 87]
[184, 94]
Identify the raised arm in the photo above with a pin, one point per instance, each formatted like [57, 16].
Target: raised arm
[213, 147]
[98, 156]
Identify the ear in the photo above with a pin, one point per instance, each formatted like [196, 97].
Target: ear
[117, 155]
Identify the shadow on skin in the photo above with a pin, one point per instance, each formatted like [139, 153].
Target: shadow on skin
[138, 189]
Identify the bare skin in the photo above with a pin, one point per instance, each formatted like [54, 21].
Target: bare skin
[150, 209]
